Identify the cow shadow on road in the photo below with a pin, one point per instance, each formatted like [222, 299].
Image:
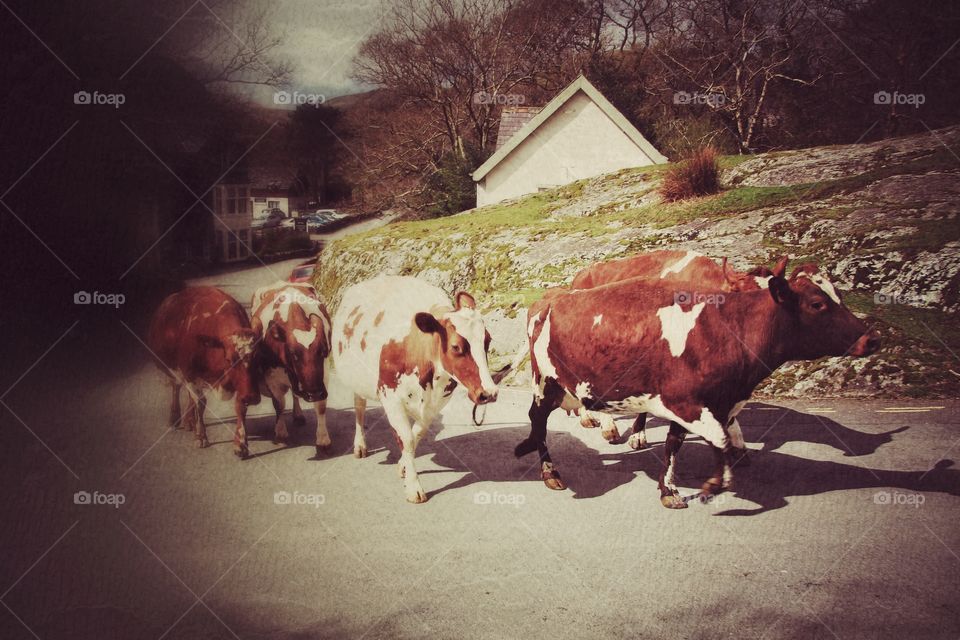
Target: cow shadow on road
[770, 481]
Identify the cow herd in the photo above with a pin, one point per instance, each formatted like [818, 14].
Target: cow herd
[669, 333]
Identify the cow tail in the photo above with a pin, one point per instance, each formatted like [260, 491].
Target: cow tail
[498, 376]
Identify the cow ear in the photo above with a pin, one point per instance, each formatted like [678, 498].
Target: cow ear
[464, 300]
[781, 292]
[427, 323]
[257, 325]
[276, 331]
[780, 268]
[209, 342]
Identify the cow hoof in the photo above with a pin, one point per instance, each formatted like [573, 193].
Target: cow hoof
[202, 443]
[637, 442]
[611, 436]
[551, 477]
[525, 447]
[673, 501]
[589, 423]
[416, 497]
[284, 439]
[299, 420]
[242, 452]
[322, 450]
[359, 451]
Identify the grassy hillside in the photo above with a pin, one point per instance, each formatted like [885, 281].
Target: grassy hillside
[881, 218]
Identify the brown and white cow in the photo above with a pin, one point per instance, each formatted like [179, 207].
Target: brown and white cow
[401, 341]
[686, 271]
[203, 339]
[694, 364]
[296, 341]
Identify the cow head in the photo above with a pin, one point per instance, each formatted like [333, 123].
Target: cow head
[821, 324]
[234, 353]
[754, 279]
[464, 342]
[301, 344]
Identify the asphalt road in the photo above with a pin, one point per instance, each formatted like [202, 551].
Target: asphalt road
[843, 526]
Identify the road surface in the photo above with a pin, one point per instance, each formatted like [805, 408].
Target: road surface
[844, 525]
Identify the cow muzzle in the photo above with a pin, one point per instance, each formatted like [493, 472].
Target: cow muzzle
[315, 396]
[867, 344]
[487, 396]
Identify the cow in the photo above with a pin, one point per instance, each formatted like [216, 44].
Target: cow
[404, 343]
[201, 337]
[684, 270]
[693, 364]
[295, 327]
[676, 267]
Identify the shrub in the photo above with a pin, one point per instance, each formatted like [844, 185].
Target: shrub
[698, 175]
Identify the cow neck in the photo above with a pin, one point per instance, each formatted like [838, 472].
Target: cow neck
[419, 351]
[766, 328]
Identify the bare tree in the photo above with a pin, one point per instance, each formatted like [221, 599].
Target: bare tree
[734, 54]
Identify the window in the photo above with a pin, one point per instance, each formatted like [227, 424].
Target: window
[273, 204]
[244, 243]
[259, 200]
[231, 246]
[236, 200]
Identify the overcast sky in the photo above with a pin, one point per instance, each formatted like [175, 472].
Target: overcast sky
[321, 38]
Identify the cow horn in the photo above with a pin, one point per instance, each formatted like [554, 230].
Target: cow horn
[726, 272]
[780, 268]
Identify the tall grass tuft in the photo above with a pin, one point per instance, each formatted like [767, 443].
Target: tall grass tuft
[698, 175]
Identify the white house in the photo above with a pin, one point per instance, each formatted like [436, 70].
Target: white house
[577, 135]
[232, 236]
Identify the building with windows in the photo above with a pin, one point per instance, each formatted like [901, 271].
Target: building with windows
[265, 200]
[232, 222]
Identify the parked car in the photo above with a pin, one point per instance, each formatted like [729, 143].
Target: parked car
[303, 272]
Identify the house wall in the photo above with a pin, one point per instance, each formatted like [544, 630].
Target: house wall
[262, 209]
[578, 141]
[232, 235]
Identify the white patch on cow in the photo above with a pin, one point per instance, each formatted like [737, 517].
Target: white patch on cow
[736, 435]
[540, 351]
[222, 305]
[533, 324]
[583, 390]
[763, 281]
[670, 477]
[305, 338]
[825, 285]
[597, 319]
[243, 345]
[705, 426]
[676, 324]
[680, 264]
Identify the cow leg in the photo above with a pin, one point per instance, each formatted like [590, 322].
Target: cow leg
[608, 427]
[189, 420]
[404, 431]
[722, 478]
[175, 414]
[298, 418]
[323, 436]
[669, 496]
[359, 440]
[240, 446]
[738, 443]
[638, 440]
[280, 433]
[540, 411]
[201, 426]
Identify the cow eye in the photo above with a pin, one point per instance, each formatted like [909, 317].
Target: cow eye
[819, 305]
[457, 349]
